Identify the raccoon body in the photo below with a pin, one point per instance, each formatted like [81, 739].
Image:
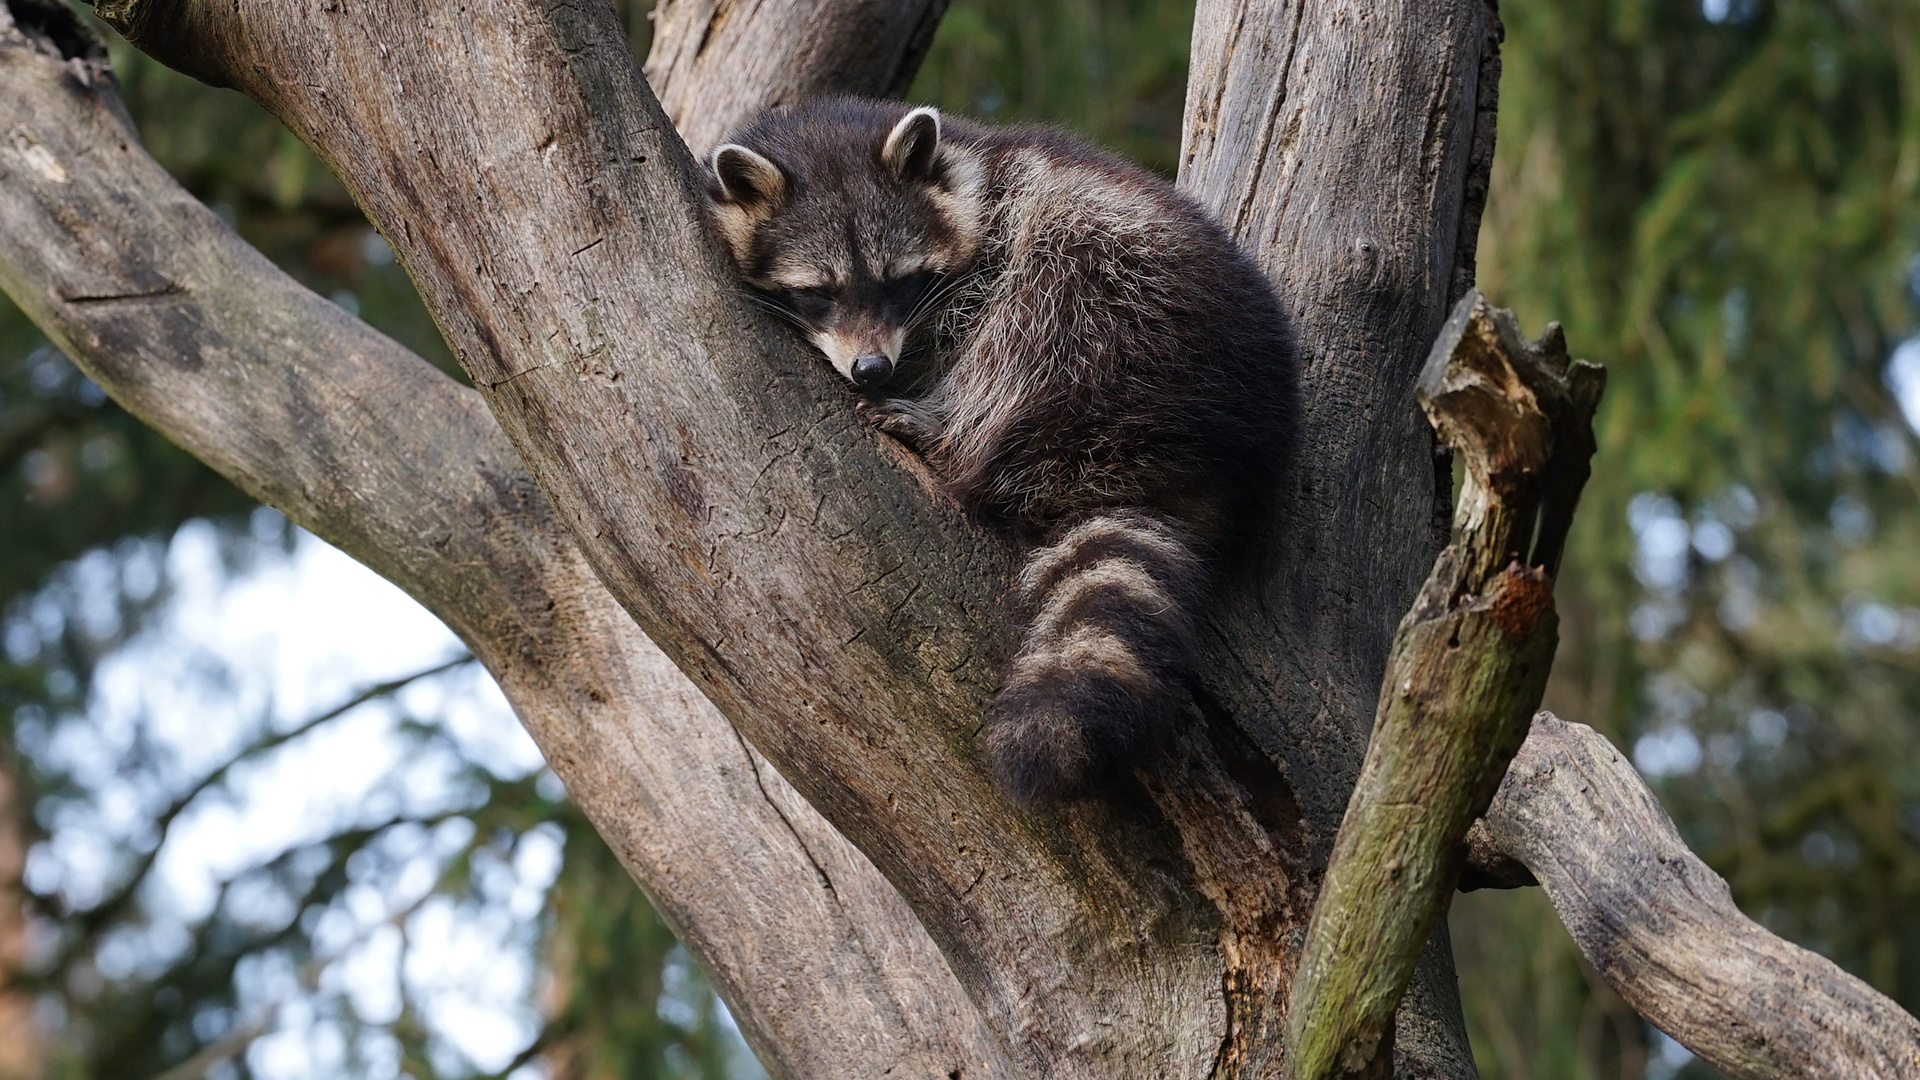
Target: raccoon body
[1075, 349]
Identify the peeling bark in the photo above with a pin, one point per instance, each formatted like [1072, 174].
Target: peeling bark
[1469, 665]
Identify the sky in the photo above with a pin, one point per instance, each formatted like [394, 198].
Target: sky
[262, 632]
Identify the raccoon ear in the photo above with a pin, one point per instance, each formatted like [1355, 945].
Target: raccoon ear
[910, 148]
[747, 177]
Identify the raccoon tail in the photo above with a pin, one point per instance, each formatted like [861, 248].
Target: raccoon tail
[1111, 610]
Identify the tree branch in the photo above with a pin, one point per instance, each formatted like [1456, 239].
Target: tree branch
[715, 66]
[367, 445]
[715, 476]
[1469, 664]
[1662, 929]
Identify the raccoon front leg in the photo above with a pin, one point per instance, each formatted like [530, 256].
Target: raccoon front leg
[919, 424]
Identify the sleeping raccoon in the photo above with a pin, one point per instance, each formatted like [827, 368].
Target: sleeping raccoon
[1076, 350]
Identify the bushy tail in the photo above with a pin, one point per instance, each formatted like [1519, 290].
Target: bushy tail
[1111, 609]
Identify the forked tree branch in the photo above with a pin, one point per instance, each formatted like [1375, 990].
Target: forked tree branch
[714, 64]
[521, 171]
[715, 476]
[369, 446]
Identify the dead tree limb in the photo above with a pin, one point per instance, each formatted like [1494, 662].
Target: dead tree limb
[1469, 664]
[369, 446]
[1662, 929]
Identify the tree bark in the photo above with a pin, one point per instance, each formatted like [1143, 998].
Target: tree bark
[717, 63]
[787, 559]
[1661, 927]
[1468, 668]
[370, 447]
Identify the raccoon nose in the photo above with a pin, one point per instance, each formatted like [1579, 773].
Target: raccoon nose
[871, 371]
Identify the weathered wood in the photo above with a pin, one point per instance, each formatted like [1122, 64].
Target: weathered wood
[1662, 929]
[716, 63]
[715, 477]
[1469, 664]
[362, 442]
[1362, 202]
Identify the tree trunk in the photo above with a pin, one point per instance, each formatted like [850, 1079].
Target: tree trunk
[19, 1040]
[848, 623]
[370, 447]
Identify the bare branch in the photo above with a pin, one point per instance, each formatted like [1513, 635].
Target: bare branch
[1662, 929]
[715, 476]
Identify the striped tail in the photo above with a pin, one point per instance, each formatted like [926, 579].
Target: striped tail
[1111, 608]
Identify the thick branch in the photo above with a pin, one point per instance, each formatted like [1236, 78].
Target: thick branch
[1347, 143]
[725, 490]
[1469, 664]
[1662, 929]
[716, 65]
[368, 446]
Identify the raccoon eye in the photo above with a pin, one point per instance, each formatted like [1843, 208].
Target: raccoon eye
[813, 305]
[904, 293]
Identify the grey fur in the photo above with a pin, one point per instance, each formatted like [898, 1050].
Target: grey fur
[1078, 352]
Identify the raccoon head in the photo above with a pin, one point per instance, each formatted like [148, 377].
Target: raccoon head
[845, 216]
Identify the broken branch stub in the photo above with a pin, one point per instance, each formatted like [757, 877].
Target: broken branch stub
[1468, 667]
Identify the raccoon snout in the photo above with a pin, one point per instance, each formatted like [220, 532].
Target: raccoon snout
[871, 371]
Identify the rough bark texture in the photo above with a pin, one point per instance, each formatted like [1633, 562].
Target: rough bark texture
[715, 63]
[846, 622]
[778, 550]
[370, 447]
[1662, 929]
[1469, 664]
[1347, 146]
[1101, 941]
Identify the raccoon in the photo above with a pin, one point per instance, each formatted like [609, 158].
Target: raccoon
[1076, 350]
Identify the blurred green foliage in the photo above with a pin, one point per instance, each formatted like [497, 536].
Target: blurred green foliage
[1723, 204]
[1720, 201]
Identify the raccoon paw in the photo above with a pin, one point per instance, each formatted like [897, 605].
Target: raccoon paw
[900, 418]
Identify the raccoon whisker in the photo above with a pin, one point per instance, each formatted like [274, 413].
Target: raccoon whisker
[777, 309]
[935, 298]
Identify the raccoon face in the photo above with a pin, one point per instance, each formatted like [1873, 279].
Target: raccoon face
[847, 227]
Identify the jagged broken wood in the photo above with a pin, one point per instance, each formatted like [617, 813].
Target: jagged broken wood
[1469, 664]
[1662, 929]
